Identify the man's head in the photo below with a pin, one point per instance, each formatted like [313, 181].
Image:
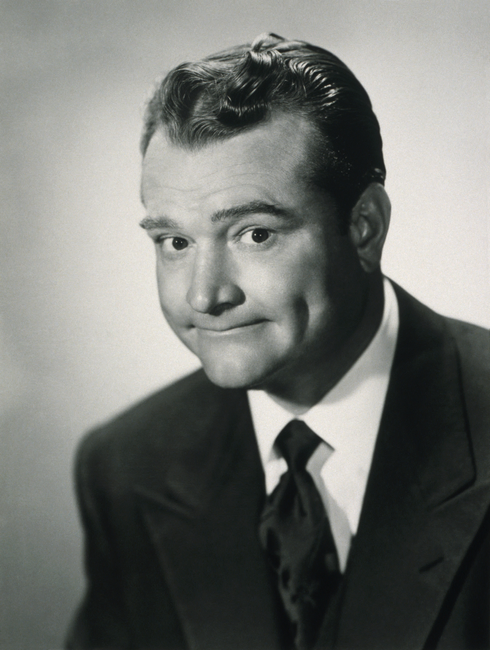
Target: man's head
[255, 275]
[237, 89]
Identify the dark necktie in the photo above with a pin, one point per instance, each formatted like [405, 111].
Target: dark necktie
[296, 535]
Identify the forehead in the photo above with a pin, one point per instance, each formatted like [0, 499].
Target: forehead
[270, 161]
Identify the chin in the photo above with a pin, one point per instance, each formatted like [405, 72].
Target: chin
[235, 375]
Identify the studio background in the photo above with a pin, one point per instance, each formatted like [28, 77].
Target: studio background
[81, 335]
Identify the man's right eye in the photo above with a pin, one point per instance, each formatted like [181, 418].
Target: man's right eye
[170, 244]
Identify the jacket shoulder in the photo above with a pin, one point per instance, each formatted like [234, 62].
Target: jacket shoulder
[473, 345]
[425, 331]
[429, 328]
[151, 431]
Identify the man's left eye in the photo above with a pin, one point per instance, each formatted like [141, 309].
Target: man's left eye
[256, 236]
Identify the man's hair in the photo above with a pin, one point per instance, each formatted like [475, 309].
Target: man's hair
[239, 88]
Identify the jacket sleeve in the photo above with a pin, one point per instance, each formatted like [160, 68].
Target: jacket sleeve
[100, 621]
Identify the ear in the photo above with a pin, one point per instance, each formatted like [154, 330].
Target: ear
[368, 227]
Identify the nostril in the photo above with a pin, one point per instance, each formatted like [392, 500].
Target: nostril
[220, 308]
[214, 298]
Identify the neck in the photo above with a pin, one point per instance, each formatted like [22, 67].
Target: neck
[299, 393]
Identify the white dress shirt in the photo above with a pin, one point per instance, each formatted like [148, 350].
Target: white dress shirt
[347, 420]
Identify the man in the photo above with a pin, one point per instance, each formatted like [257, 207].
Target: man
[323, 482]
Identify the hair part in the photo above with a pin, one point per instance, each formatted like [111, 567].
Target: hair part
[239, 88]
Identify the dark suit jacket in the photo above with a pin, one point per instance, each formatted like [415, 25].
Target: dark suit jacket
[171, 491]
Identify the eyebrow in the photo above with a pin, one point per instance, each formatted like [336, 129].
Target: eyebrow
[254, 207]
[234, 213]
[152, 223]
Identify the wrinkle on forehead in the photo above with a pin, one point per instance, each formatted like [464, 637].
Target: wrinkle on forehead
[271, 155]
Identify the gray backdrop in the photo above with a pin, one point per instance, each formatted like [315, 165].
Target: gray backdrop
[80, 333]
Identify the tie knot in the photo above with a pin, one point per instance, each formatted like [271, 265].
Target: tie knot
[297, 442]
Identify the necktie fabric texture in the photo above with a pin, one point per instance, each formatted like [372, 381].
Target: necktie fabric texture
[296, 536]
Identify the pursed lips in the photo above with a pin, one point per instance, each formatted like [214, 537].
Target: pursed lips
[228, 328]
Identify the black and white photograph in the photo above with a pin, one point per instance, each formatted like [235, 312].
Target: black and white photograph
[244, 326]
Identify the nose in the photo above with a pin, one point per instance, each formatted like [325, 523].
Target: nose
[212, 288]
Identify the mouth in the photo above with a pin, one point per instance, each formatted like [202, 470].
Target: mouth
[230, 329]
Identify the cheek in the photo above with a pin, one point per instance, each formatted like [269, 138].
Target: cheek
[292, 290]
[172, 293]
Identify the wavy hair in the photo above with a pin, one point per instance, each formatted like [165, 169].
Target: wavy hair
[234, 90]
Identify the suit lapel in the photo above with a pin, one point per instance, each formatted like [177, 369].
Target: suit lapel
[202, 522]
[421, 510]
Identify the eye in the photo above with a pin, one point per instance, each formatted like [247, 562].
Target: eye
[179, 243]
[170, 244]
[256, 236]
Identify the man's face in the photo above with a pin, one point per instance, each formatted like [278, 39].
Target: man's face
[253, 275]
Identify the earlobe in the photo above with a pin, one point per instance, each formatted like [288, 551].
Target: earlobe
[368, 227]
